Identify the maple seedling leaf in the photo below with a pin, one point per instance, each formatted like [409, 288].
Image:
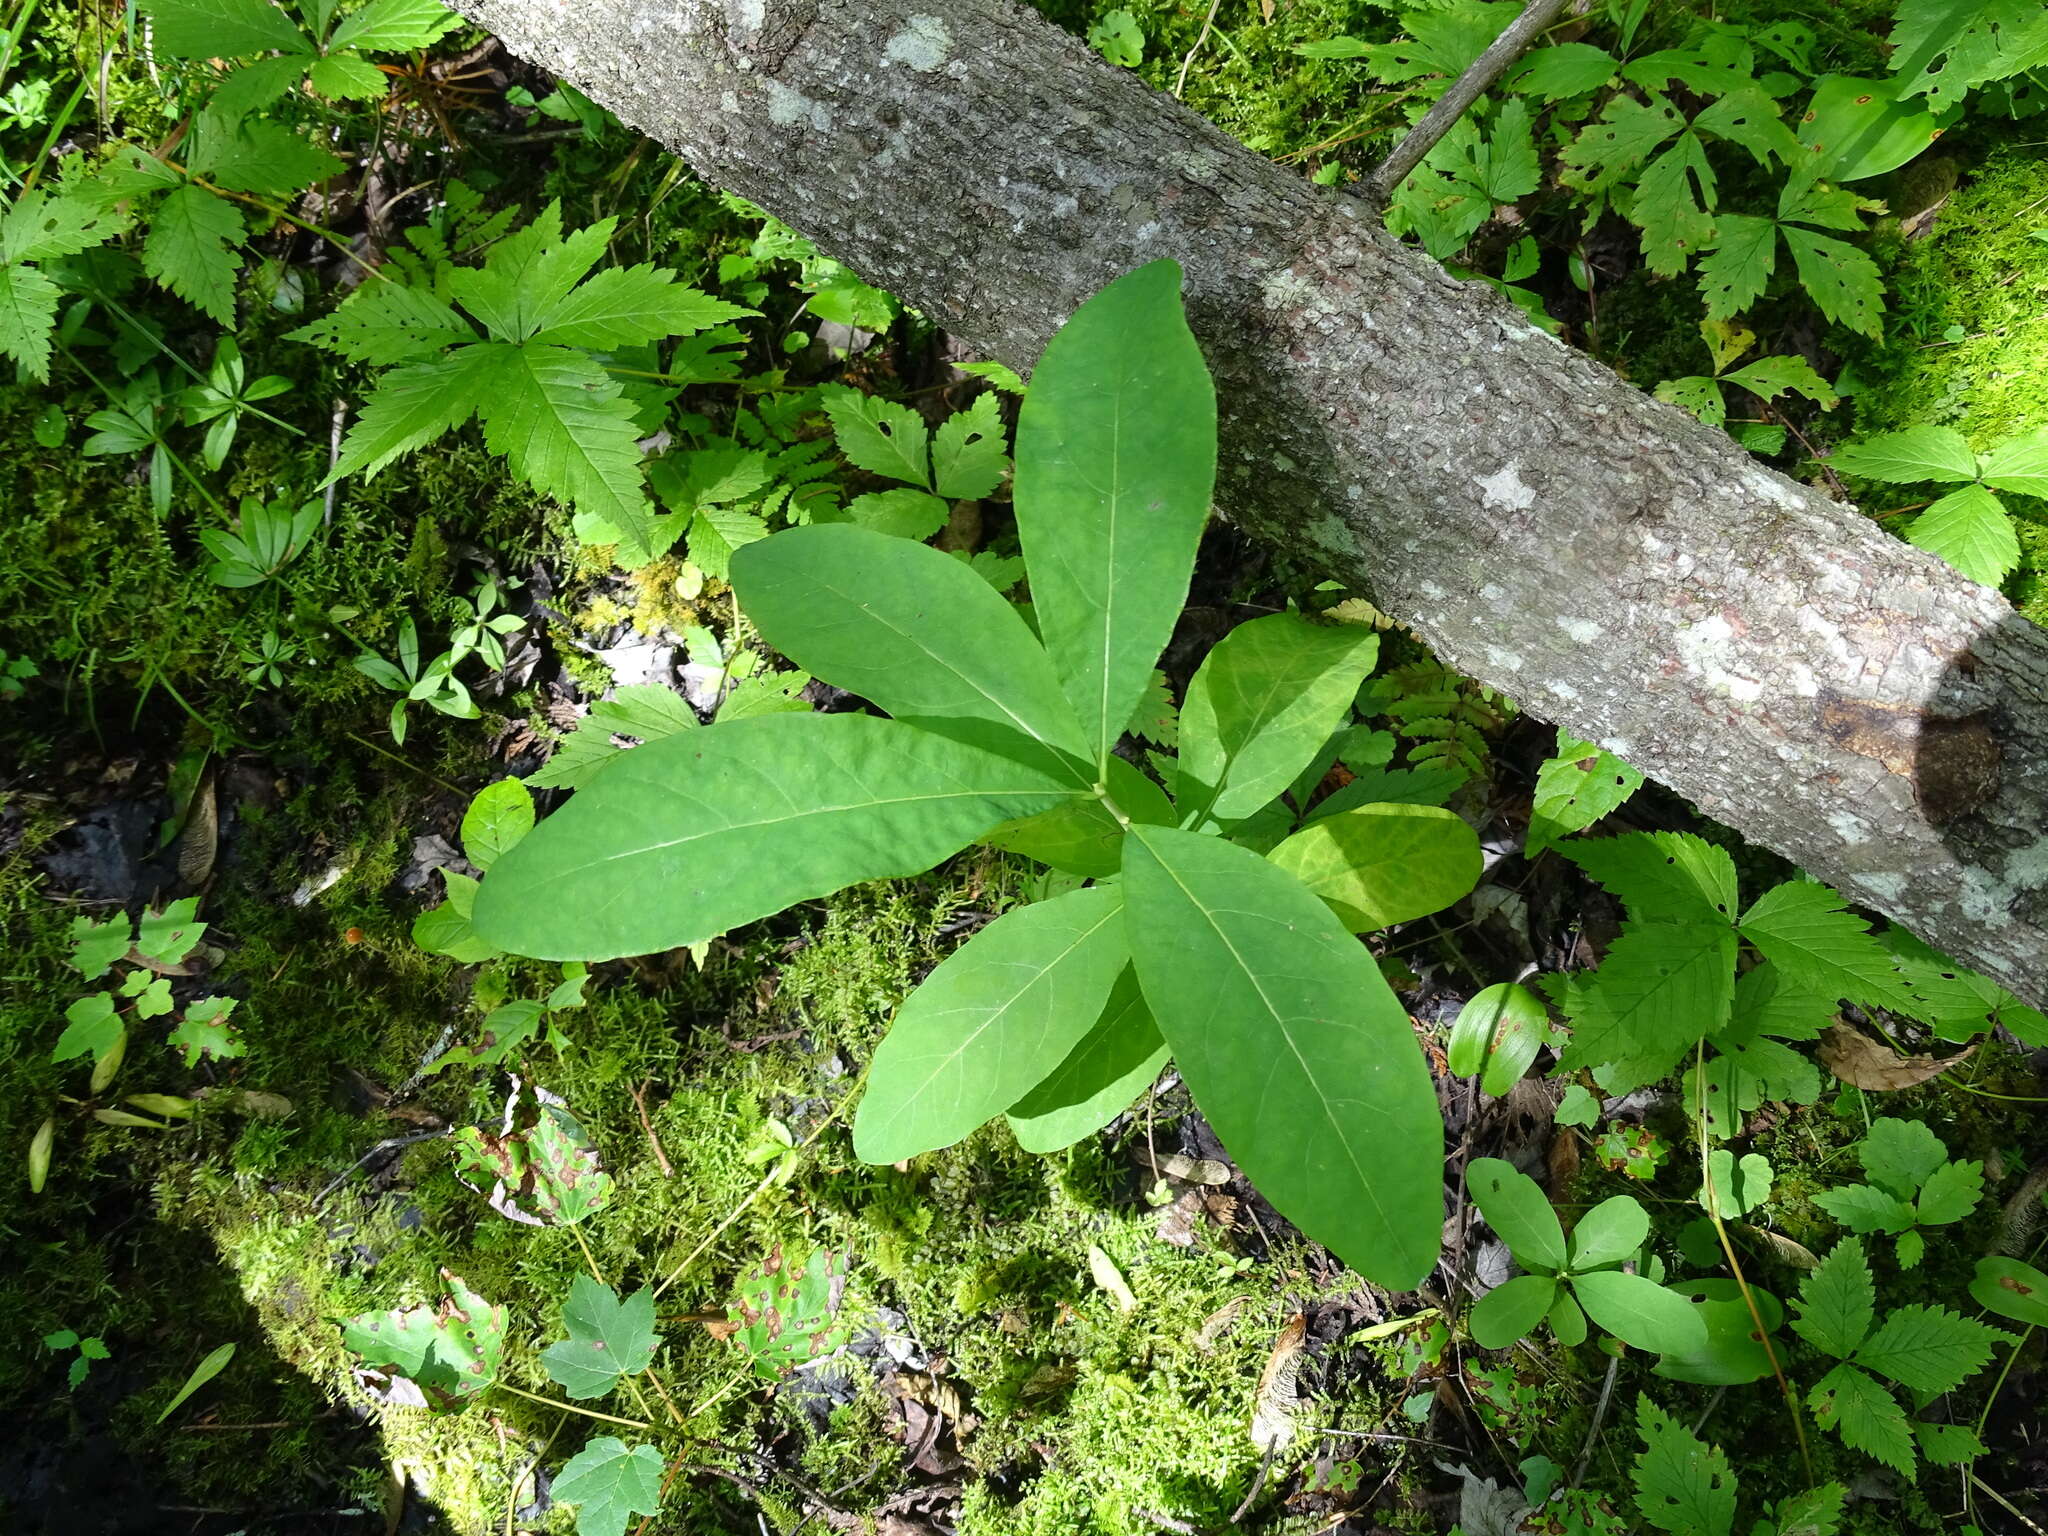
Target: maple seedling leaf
[608, 1339]
[205, 1031]
[610, 1482]
[451, 1352]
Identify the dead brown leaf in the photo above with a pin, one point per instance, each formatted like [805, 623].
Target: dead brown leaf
[1278, 1395]
[1866, 1063]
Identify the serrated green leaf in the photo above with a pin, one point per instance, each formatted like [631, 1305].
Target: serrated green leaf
[1769, 377]
[505, 1029]
[1264, 700]
[625, 306]
[384, 323]
[991, 1022]
[1111, 1065]
[1506, 169]
[1562, 70]
[967, 452]
[901, 513]
[1576, 786]
[1640, 1312]
[1840, 278]
[1941, 49]
[1908, 458]
[452, 1352]
[95, 946]
[2019, 464]
[1669, 877]
[1807, 929]
[567, 429]
[189, 250]
[1947, 1445]
[1626, 135]
[1900, 1154]
[344, 77]
[1748, 117]
[1670, 204]
[1927, 1348]
[221, 29]
[1511, 1310]
[390, 24]
[1971, 530]
[1696, 393]
[259, 82]
[205, 1031]
[645, 711]
[42, 224]
[1292, 1044]
[1683, 1485]
[253, 155]
[92, 1027]
[679, 840]
[1734, 273]
[1384, 864]
[1837, 1301]
[1515, 1206]
[610, 1483]
[608, 1339]
[1816, 1512]
[1865, 1208]
[1660, 988]
[718, 533]
[879, 435]
[1116, 455]
[410, 407]
[914, 631]
[28, 313]
[1866, 1415]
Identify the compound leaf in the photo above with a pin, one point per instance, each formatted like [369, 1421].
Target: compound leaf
[1928, 1348]
[1807, 929]
[1970, 529]
[1575, 787]
[1837, 1302]
[1670, 877]
[1866, 1415]
[1683, 1485]
[188, 250]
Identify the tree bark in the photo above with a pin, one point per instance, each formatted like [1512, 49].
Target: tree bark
[1604, 559]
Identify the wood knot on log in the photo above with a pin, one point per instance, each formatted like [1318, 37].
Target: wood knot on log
[1953, 763]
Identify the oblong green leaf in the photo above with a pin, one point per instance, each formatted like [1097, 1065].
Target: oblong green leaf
[908, 627]
[1497, 1034]
[499, 816]
[1000, 1013]
[1114, 1062]
[1261, 705]
[686, 837]
[202, 1373]
[1116, 462]
[1384, 864]
[1641, 1312]
[1515, 1206]
[1293, 1045]
[1610, 1232]
[2011, 1289]
[1734, 1351]
[1512, 1310]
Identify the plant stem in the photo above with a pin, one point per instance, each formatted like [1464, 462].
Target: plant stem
[1466, 89]
[588, 1413]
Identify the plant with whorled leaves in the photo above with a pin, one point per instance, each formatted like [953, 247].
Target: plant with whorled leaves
[1215, 929]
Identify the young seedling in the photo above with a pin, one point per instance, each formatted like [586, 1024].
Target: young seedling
[1913, 1185]
[1570, 1283]
[1244, 966]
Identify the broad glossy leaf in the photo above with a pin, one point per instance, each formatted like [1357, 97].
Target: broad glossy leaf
[912, 629]
[1515, 1206]
[1497, 1035]
[1001, 1012]
[1113, 1063]
[1116, 461]
[2011, 1289]
[1262, 704]
[1293, 1045]
[681, 839]
[1568, 1319]
[1917, 454]
[1609, 1233]
[1733, 1352]
[1512, 1310]
[608, 1339]
[1856, 128]
[1383, 864]
[1640, 1312]
[1081, 836]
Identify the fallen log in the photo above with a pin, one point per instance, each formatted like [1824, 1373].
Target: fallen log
[1604, 559]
